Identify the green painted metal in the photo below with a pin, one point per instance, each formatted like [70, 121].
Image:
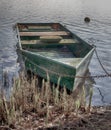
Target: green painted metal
[43, 66]
[61, 60]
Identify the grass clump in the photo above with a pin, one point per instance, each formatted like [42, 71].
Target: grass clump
[35, 106]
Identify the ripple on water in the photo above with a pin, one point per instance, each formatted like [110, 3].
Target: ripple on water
[71, 13]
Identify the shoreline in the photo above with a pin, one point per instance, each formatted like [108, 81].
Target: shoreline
[98, 119]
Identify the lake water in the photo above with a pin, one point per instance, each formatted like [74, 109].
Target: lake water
[70, 13]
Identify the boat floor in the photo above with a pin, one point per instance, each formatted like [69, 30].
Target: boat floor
[69, 61]
[61, 55]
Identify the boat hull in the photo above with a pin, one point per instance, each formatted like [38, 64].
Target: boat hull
[67, 65]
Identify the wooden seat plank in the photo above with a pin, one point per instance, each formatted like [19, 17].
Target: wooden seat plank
[57, 33]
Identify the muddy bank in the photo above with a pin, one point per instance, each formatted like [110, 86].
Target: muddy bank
[98, 119]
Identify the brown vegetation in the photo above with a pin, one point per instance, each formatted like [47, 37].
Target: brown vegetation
[46, 108]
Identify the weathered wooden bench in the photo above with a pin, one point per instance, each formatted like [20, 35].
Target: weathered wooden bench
[56, 33]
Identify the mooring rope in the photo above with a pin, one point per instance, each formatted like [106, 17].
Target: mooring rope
[101, 63]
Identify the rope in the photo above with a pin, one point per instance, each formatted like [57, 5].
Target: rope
[101, 63]
[71, 76]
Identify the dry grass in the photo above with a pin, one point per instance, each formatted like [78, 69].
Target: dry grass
[47, 104]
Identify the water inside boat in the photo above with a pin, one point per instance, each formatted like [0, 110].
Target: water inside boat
[63, 55]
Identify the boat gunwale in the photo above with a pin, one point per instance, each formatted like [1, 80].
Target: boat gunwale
[85, 57]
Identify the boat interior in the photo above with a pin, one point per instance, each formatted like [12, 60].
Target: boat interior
[53, 41]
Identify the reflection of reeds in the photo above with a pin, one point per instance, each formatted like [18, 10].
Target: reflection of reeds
[28, 97]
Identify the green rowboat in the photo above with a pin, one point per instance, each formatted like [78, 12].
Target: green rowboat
[50, 49]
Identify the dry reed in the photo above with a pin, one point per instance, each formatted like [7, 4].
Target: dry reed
[27, 97]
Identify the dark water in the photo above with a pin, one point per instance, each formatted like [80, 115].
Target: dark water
[71, 13]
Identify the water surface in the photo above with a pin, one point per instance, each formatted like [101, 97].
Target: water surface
[70, 13]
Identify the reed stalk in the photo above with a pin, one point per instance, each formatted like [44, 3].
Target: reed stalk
[90, 99]
[56, 98]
